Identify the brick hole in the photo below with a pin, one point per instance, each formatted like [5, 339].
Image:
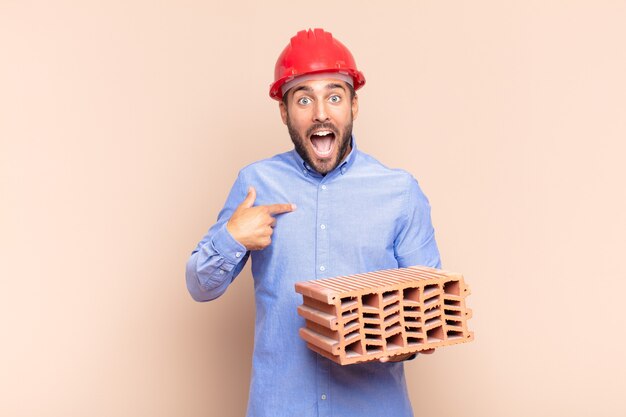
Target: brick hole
[433, 309]
[354, 349]
[370, 316]
[432, 320]
[351, 329]
[394, 328]
[452, 287]
[351, 322]
[435, 334]
[454, 313]
[454, 334]
[369, 336]
[430, 289]
[394, 318]
[411, 294]
[452, 322]
[394, 342]
[371, 326]
[432, 306]
[408, 319]
[351, 334]
[392, 306]
[371, 300]
[345, 302]
[456, 303]
[388, 295]
[373, 348]
[431, 302]
[414, 341]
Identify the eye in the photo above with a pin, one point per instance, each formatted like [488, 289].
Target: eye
[334, 99]
[304, 101]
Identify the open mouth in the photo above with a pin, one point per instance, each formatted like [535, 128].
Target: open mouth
[323, 142]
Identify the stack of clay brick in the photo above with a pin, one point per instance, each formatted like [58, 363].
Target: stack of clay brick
[364, 317]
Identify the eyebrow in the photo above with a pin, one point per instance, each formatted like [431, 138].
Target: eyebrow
[308, 89]
[335, 85]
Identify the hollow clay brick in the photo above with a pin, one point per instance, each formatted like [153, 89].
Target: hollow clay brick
[363, 317]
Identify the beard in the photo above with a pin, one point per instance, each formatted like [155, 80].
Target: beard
[342, 143]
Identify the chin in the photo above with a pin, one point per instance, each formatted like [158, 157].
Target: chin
[326, 166]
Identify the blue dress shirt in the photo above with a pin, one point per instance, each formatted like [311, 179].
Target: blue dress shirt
[360, 217]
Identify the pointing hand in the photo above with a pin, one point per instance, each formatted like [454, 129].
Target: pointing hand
[253, 226]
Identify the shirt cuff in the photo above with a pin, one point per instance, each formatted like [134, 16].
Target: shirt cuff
[227, 246]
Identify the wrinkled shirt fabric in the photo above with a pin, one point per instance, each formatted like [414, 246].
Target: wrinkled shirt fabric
[360, 217]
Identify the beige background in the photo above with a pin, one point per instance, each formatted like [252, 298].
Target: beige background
[123, 125]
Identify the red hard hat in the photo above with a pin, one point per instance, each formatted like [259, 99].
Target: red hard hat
[310, 52]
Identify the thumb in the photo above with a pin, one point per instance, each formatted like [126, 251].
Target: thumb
[249, 200]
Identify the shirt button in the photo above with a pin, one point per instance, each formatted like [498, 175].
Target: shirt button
[323, 396]
[323, 226]
[221, 272]
[304, 171]
[238, 254]
[322, 268]
[323, 187]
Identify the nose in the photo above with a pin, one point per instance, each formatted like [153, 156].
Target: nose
[320, 114]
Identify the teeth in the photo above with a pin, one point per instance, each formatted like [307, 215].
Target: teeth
[322, 133]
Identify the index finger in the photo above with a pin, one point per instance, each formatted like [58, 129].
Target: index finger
[281, 208]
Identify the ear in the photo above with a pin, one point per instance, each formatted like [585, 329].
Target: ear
[283, 112]
[355, 106]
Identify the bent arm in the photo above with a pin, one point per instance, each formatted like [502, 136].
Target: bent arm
[218, 258]
[415, 244]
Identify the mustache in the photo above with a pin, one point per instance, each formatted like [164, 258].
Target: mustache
[320, 126]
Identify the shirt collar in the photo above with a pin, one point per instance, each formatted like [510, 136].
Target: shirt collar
[341, 169]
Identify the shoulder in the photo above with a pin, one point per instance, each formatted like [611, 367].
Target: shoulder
[278, 163]
[396, 180]
[368, 165]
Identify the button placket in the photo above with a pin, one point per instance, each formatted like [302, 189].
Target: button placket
[323, 386]
[322, 241]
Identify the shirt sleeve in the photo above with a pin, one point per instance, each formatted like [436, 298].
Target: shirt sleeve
[415, 243]
[218, 258]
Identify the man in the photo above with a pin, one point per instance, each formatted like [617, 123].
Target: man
[321, 210]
